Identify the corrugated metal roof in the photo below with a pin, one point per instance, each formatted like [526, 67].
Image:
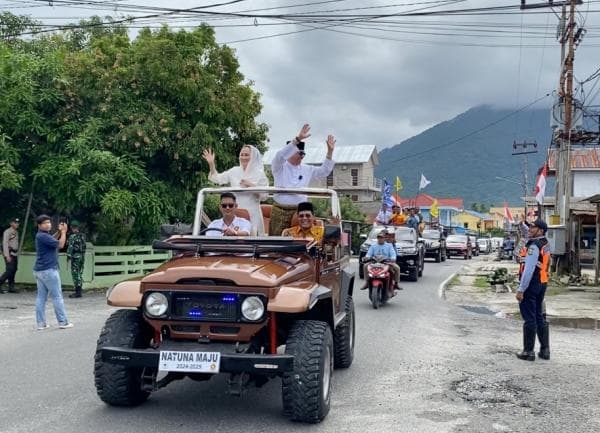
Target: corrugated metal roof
[482, 216]
[581, 159]
[315, 154]
[425, 201]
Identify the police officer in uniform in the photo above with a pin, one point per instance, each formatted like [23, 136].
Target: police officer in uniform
[531, 291]
[76, 255]
[10, 251]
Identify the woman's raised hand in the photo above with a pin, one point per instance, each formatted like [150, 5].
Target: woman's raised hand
[209, 156]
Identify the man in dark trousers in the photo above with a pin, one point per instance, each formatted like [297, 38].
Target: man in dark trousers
[531, 291]
[10, 251]
[76, 256]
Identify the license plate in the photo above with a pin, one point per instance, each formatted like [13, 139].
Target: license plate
[189, 362]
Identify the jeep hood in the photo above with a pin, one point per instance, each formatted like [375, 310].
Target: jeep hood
[243, 271]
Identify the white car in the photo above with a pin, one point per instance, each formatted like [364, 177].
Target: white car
[485, 245]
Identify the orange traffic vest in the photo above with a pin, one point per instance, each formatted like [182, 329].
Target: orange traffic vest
[543, 265]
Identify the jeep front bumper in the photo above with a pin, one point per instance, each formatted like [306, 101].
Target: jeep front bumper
[230, 362]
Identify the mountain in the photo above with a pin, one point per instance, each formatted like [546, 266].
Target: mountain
[467, 167]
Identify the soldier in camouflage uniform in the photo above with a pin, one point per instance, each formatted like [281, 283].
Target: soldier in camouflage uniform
[76, 255]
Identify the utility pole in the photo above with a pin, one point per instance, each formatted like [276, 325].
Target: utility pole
[525, 145]
[563, 136]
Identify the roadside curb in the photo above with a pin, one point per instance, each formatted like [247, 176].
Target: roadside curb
[442, 287]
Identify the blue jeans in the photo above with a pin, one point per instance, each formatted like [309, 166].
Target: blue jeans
[48, 283]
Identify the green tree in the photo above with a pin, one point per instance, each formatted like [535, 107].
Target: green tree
[112, 131]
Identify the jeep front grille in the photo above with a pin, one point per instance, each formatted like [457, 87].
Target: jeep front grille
[206, 307]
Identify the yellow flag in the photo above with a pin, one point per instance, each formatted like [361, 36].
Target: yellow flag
[398, 184]
[434, 211]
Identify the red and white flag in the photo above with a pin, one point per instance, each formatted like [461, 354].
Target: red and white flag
[508, 214]
[540, 184]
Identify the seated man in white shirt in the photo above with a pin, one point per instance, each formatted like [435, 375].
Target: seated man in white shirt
[229, 225]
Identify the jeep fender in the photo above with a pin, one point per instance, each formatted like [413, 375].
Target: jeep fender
[291, 299]
[125, 294]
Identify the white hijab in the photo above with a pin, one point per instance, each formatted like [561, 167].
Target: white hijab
[254, 170]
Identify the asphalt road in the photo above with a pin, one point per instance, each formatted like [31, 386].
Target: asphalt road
[421, 365]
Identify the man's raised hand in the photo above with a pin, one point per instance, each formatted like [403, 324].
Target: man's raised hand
[330, 143]
[304, 132]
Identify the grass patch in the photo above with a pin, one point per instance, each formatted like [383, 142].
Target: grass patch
[481, 282]
[556, 290]
[455, 281]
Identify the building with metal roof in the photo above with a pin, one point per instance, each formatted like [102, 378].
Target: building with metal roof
[353, 175]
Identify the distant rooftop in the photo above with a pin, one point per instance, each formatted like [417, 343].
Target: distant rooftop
[581, 158]
[315, 154]
[425, 201]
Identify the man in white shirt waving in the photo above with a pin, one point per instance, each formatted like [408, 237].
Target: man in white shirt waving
[289, 172]
[229, 225]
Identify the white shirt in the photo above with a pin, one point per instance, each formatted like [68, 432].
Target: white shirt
[383, 217]
[286, 175]
[240, 224]
[245, 200]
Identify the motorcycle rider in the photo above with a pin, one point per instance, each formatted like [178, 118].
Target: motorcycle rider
[387, 250]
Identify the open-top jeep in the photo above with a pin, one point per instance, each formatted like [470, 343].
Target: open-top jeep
[252, 307]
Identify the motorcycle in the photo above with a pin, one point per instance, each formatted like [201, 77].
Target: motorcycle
[506, 252]
[379, 281]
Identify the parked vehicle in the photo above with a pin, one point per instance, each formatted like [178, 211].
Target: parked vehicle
[380, 281]
[435, 245]
[254, 308]
[410, 252]
[496, 243]
[459, 245]
[485, 245]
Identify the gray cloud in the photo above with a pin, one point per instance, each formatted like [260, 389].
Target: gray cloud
[368, 91]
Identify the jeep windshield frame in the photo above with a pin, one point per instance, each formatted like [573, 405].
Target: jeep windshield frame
[270, 191]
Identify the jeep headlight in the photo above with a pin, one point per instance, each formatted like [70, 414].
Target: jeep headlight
[409, 250]
[434, 244]
[156, 304]
[253, 308]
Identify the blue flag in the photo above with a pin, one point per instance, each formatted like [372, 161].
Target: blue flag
[386, 194]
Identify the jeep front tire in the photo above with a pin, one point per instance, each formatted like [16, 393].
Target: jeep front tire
[306, 389]
[119, 385]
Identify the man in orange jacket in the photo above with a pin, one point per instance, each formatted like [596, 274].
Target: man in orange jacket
[531, 291]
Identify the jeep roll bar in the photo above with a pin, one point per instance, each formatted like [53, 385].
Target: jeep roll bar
[310, 192]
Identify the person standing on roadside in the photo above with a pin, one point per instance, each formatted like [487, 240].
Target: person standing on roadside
[10, 251]
[531, 291]
[46, 273]
[76, 257]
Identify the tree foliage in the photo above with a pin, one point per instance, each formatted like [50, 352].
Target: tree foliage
[111, 128]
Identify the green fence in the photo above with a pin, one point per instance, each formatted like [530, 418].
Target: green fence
[104, 266]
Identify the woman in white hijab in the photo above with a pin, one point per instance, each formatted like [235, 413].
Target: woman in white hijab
[249, 173]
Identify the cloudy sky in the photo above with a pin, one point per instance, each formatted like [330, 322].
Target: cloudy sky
[364, 70]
